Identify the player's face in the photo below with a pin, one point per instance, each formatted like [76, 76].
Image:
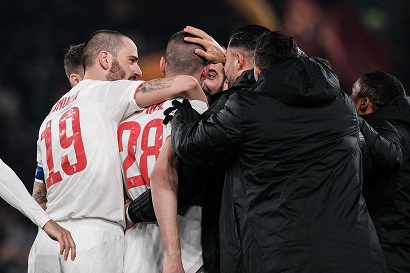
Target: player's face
[116, 72]
[214, 80]
[229, 68]
[126, 66]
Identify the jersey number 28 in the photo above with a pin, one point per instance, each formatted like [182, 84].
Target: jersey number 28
[146, 149]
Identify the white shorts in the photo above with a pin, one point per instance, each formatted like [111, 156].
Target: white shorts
[100, 249]
[144, 248]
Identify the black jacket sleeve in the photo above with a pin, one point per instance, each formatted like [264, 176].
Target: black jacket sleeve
[382, 146]
[204, 140]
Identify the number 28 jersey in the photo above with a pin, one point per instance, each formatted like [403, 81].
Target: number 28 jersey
[140, 139]
[77, 148]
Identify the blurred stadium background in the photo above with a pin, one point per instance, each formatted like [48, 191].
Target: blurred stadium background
[355, 36]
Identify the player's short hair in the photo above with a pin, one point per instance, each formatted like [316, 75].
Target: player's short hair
[73, 61]
[275, 47]
[109, 40]
[180, 55]
[380, 88]
[246, 37]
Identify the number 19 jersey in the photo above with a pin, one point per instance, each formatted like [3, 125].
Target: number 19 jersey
[77, 148]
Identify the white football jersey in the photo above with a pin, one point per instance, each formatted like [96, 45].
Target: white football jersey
[140, 139]
[77, 148]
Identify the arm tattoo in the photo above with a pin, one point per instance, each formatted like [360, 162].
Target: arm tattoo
[40, 196]
[155, 84]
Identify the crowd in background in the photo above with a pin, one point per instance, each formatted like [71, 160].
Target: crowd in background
[355, 36]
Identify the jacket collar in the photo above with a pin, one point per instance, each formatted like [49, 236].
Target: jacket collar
[304, 81]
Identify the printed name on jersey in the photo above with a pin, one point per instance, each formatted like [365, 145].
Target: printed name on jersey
[64, 101]
[152, 108]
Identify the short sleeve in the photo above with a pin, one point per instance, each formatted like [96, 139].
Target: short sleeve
[120, 99]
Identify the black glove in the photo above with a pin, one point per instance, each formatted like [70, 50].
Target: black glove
[141, 209]
[177, 105]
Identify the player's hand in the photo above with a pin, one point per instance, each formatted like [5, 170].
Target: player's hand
[176, 105]
[63, 236]
[213, 53]
[128, 224]
[172, 264]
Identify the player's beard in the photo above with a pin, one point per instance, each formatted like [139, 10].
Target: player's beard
[116, 72]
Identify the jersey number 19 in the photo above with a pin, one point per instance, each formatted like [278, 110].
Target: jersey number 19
[74, 139]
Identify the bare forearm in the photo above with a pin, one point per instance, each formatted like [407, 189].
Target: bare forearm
[164, 186]
[39, 194]
[159, 90]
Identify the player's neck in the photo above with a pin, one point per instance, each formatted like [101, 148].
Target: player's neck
[93, 74]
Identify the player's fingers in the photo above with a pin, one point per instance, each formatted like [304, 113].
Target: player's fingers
[72, 246]
[200, 52]
[210, 57]
[67, 247]
[63, 245]
[197, 32]
[198, 41]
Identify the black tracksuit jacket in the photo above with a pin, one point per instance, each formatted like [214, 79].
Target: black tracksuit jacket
[387, 179]
[292, 198]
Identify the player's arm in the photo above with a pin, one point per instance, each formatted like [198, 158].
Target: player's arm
[51, 228]
[13, 191]
[40, 193]
[158, 90]
[164, 187]
[39, 187]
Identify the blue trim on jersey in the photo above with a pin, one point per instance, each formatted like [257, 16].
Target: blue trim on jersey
[39, 174]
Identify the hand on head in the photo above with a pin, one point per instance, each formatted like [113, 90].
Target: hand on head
[213, 52]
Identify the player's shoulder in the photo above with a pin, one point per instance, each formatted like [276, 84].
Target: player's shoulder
[88, 85]
[124, 84]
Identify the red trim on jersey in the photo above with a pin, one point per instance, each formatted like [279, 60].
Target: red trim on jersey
[136, 91]
[135, 181]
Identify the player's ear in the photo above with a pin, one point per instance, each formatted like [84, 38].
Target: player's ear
[74, 79]
[240, 60]
[103, 59]
[162, 65]
[365, 106]
[205, 71]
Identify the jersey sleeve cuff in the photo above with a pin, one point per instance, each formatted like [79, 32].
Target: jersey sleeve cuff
[135, 95]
